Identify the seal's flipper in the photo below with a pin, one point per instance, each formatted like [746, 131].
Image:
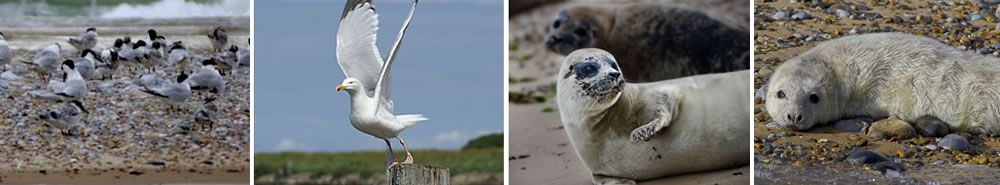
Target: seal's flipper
[608, 180]
[666, 108]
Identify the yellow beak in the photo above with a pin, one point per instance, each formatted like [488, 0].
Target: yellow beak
[341, 87]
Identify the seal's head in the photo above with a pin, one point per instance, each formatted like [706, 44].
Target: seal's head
[571, 31]
[589, 79]
[801, 94]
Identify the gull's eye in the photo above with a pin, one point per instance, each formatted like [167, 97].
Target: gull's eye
[781, 94]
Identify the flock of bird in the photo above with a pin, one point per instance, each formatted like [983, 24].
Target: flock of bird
[66, 92]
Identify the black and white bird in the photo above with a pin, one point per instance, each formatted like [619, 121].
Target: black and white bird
[136, 53]
[244, 55]
[206, 115]
[86, 40]
[172, 93]
[46, 61]
[219, 39]
[109, 65]
[87, 63]
[368, 75]
[156, 56]
[5, 55]
[65, 117]
[178, 56]
[208, 78]
[72, 87]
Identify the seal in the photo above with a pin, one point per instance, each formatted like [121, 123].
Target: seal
[653, 41]
[886, 74]
[624, 132]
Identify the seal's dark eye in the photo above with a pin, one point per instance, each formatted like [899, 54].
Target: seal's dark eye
[781, 94]
[580, 31]
[586, 69]
[814, 98]
[557, 24]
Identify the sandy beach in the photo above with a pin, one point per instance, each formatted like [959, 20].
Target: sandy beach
[539, 148]
[129, 137]
[789, 157]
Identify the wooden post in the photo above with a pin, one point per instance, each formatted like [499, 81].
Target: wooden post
[410, 174]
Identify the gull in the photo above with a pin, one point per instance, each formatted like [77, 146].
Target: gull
[46, 60]
[156, 56]
[65, 119]
[86, 63]
[86, 40]
[72, 87]
[244, 55]
[137, 53]
[172, 93]
[219, 39]
[367, 75]
[156, 38]
[228, 60]
[207, 78]
[178, 56]
[109, 59]
[5, 54]
[206, 115]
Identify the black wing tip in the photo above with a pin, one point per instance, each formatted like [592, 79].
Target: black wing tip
[154, 93]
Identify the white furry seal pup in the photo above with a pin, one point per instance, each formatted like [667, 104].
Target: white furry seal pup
[626, 132]
[886, 74]
[653, 41]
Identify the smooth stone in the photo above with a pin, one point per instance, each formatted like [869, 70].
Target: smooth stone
[8, 75]
[851, 125]
[938, 162]
[870, 16]
[954, 142]
[932, 147]
[780, 16]
[891, 128]
[888, 166]
[975, 17]
[854, 30]
[843, 13]
[866, 157]
[800, 16]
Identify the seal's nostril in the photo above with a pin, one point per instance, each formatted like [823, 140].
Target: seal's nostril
[799, 118]
[614, 74]
[789, 117]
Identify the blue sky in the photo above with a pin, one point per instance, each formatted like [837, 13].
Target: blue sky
[449, 68]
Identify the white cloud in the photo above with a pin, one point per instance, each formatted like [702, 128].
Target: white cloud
[449, 137]
[288, 144]
[484, 132]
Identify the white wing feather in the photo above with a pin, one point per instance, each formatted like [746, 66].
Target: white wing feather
[382, 90]
[357, 54]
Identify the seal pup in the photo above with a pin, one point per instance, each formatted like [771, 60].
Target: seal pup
[653, 41]
[626, 132]
[886, 74]
[86, 40]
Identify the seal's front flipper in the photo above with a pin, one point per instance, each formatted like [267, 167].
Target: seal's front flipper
[608, 180]
[664, 114]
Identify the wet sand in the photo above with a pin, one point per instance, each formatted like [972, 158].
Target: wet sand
[129, 139]
[822, 162]
[539, 148]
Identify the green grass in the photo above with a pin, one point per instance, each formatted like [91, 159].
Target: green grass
[367, 163]
[485, 141]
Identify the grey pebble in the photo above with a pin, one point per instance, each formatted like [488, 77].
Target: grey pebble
[975, 17]
[954, 142]
[851, 125]
[932, 147]
[780, 16]
[843, 13]
[865, 157]
[800, 16]
[930, 126]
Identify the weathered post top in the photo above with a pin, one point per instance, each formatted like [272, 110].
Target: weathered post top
[418, 174]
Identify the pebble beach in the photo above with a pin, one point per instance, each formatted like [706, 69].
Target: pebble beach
[128, 137]
[842, 152]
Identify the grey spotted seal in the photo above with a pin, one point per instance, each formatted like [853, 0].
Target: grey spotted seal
[653, 41]
[886, 74]
[626, 132]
